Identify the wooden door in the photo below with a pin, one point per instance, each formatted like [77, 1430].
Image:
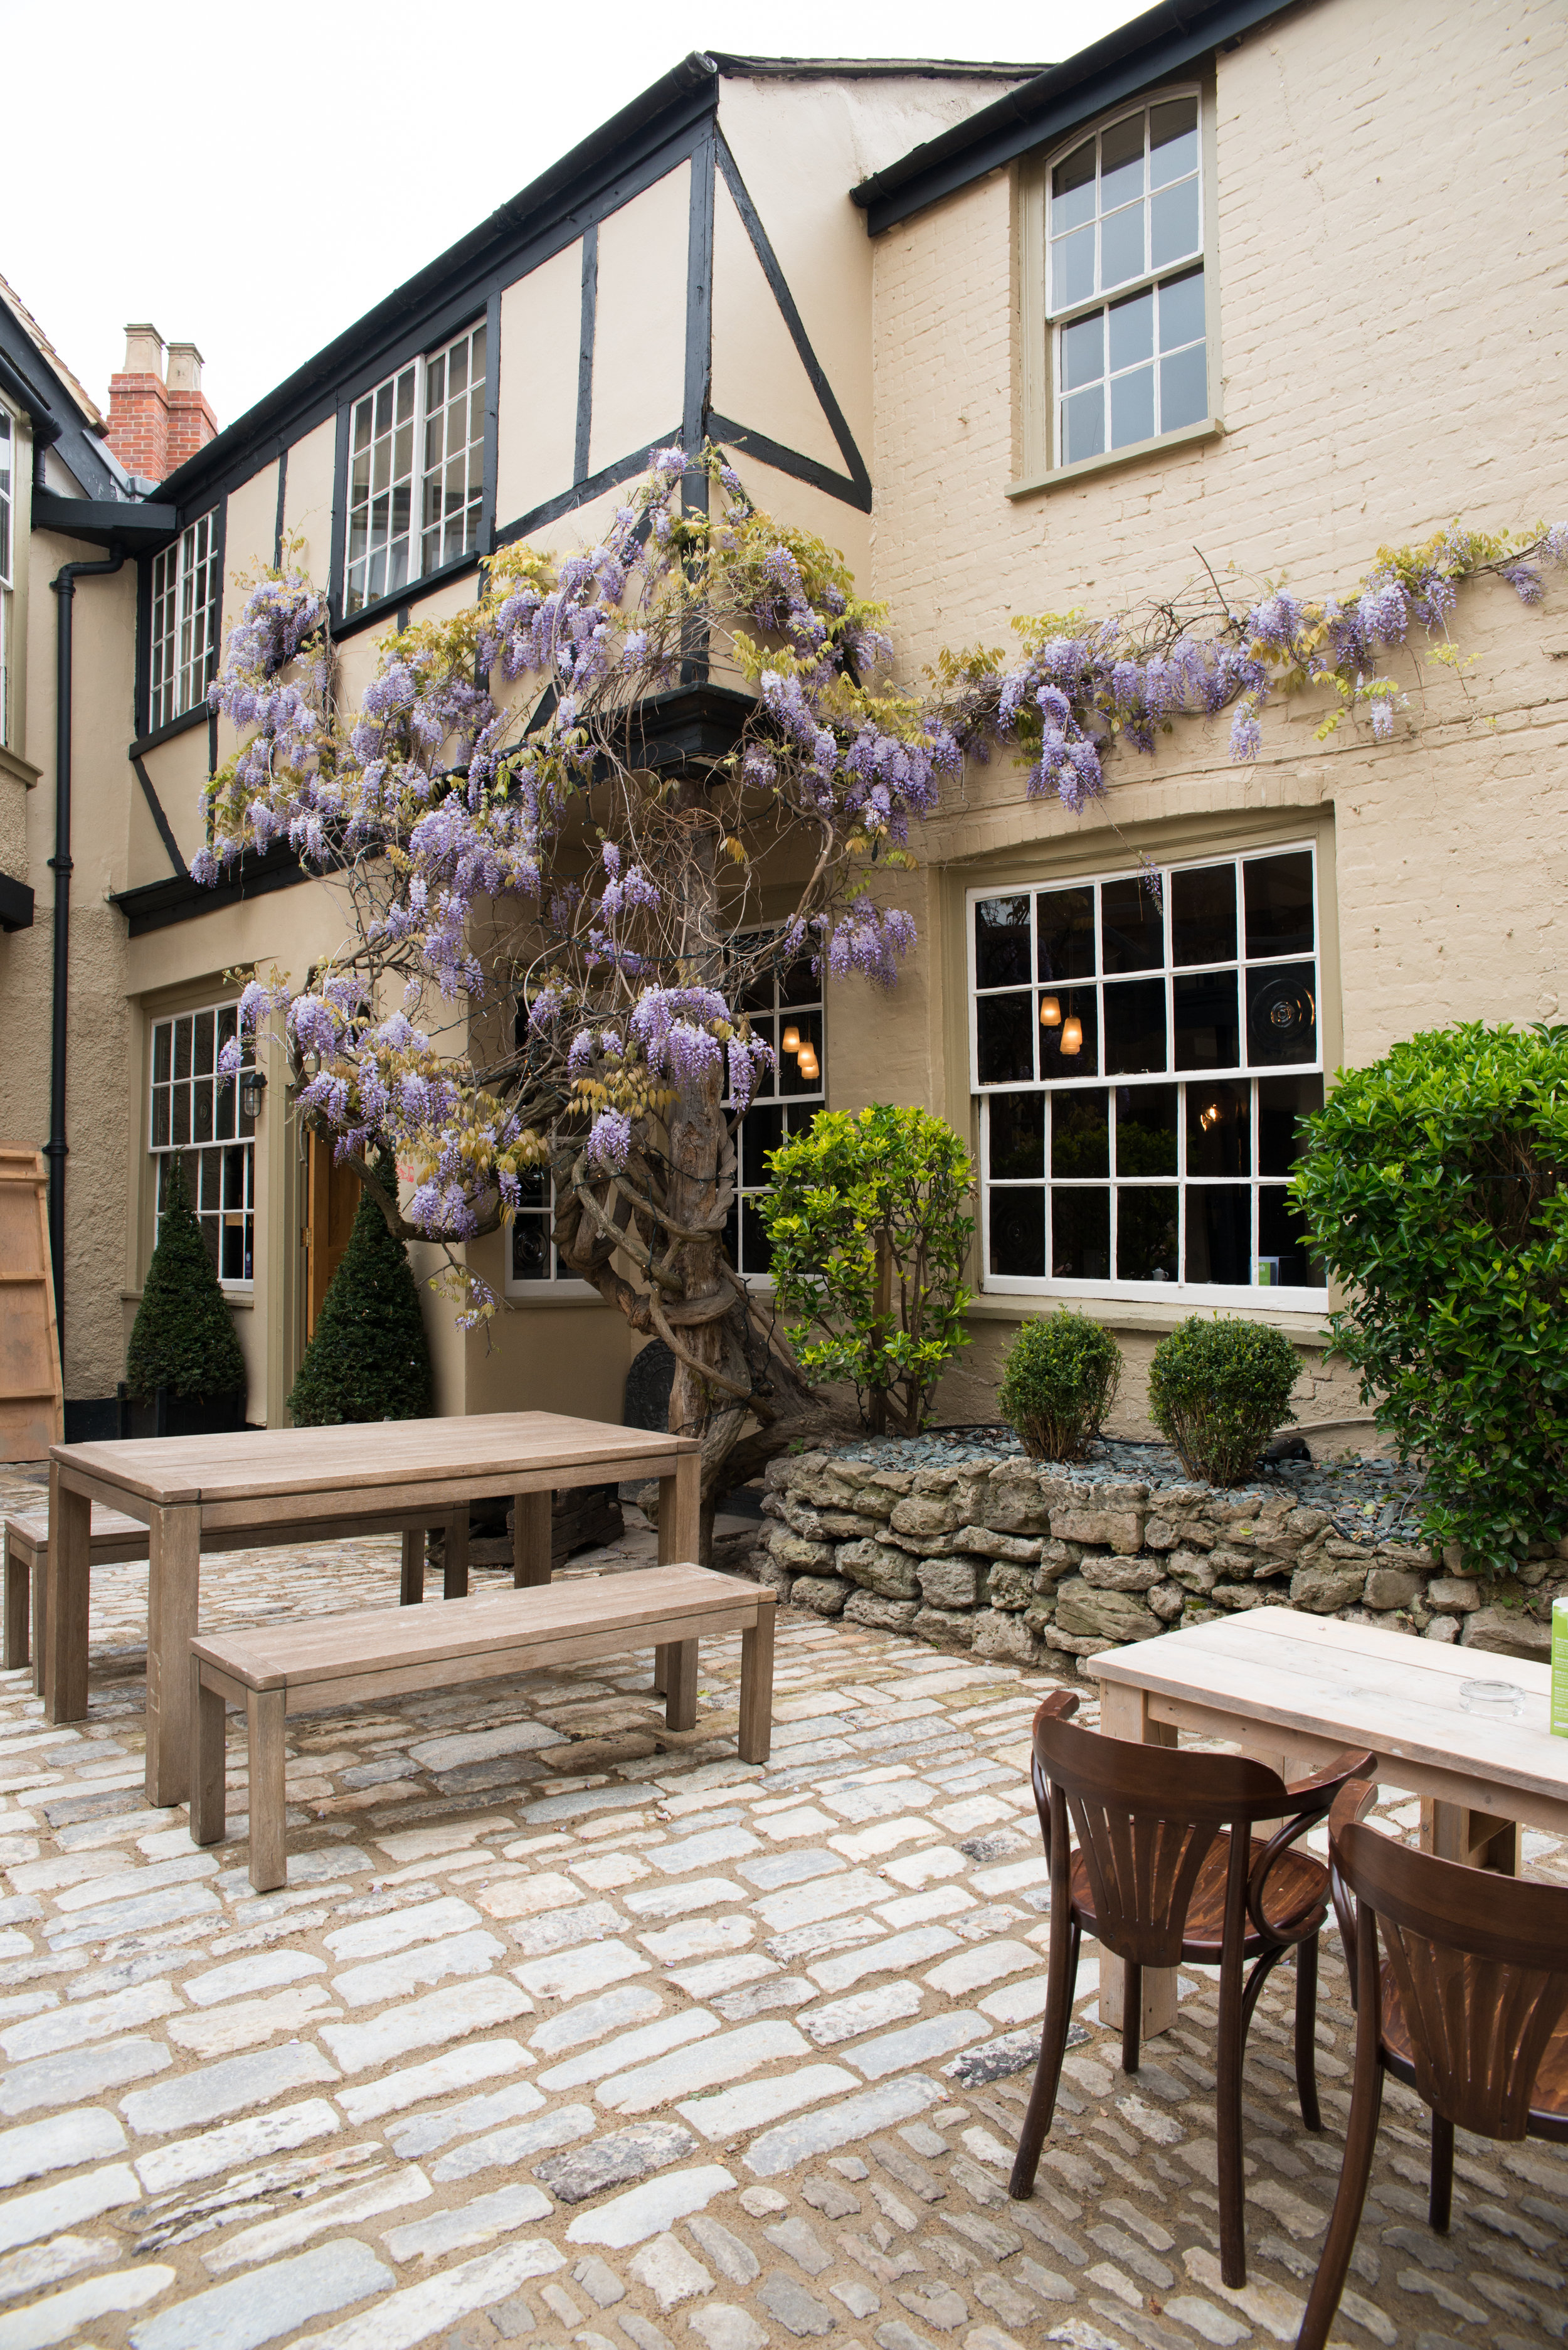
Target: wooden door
[331, 1200]
[31, 1414]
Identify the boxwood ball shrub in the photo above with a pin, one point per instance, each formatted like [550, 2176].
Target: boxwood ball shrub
[367, 1357]
[1059, 1381]
[182, 1338]
[1433, 1184]
[1218, 1389]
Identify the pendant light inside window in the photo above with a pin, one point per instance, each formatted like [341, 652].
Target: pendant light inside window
[1072, 1035]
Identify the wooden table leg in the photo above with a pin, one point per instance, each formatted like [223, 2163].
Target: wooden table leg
[412, 1590]
[1475, 1840]
[531, 1516]
[209, 1816]
[18, 1608]
[173, 1600]
[680, 1689]
[40, 1614]
[680, 1512]
[1124, 1713]
[65, 1609]
[757, 1683]
[269, 1840]
[455, 1578]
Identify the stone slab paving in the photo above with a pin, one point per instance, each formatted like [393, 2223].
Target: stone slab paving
[566, 2031]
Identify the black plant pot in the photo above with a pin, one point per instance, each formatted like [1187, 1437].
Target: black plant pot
[163, 1413]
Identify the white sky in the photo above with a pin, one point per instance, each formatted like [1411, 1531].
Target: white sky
[252, 180]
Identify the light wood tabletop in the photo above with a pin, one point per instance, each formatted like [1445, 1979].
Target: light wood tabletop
[1293, 1690]
[282, 1485]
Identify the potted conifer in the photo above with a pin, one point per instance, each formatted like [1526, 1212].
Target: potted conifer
[184, 1373]
[367, 1357]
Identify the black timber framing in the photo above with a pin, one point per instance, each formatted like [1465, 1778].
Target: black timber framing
[856, 488]
[155, 807]
[437, 304]
[1163, 41]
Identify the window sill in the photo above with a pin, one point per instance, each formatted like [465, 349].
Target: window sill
[1308, 1326]
[199, 714]
[22, 770]
[386, 607]
[538, 1294]
[238, 1301]
[1209, 428]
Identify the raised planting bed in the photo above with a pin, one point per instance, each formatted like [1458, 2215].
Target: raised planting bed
[967, 1544]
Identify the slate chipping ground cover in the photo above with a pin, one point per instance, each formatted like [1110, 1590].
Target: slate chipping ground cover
[566, 2032]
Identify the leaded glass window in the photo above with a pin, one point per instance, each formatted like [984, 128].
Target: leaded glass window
[196, 1115]
[416, 471]
[187, 581]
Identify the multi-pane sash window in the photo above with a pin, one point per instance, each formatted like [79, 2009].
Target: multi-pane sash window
[785, 1011]
[1143, 1055]
[186, 580]
[7, 449]
[1131, 356]
[196, 1117]
[416, 471]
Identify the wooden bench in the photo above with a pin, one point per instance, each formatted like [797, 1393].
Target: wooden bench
[276, 1670]
[116, 1537]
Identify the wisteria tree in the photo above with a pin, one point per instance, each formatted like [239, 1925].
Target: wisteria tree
[549, 936]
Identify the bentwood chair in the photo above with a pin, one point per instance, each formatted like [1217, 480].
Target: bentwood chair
[1468, 2008]
[1167, 1870]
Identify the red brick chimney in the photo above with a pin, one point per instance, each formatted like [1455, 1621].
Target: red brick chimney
[192, 424]
[153, 424]
[139, 406]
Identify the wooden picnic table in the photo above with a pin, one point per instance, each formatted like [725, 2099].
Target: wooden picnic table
[296, 1484]
[1292, 1691]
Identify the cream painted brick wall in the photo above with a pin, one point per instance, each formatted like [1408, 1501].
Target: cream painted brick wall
[1393, 292]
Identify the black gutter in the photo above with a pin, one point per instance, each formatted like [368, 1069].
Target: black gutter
[1162, 41]
[695, 73]
[64, 585]
[132, 528]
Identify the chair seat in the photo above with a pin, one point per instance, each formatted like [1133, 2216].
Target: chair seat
[1297, 1887]
[1549, 2099]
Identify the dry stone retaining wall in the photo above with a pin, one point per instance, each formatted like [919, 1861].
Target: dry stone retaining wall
[1020, 1560]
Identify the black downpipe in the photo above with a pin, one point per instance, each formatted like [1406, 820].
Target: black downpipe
[54, 1150]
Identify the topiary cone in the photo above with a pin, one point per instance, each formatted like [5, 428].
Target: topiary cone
[182, 1338]
[368, 1358]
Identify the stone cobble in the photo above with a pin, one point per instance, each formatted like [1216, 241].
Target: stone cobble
[567, 2030]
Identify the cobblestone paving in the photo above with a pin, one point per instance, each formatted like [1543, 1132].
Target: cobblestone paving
[569, 2031]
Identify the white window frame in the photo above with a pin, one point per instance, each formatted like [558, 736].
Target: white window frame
[187, 598]
[212, 1131]
[1177, 1292]
[406, 449]
[1064, 314]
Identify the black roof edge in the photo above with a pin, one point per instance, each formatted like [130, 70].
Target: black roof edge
[15, 904]
[53, 410]
[1151, 46]
[694, 73]
[872, 68]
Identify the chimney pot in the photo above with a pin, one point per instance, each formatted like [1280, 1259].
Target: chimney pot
[143, 351]
[184, 367]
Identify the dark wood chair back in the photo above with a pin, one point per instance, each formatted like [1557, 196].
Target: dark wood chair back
[1146, 1818]
[1480, 1962]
